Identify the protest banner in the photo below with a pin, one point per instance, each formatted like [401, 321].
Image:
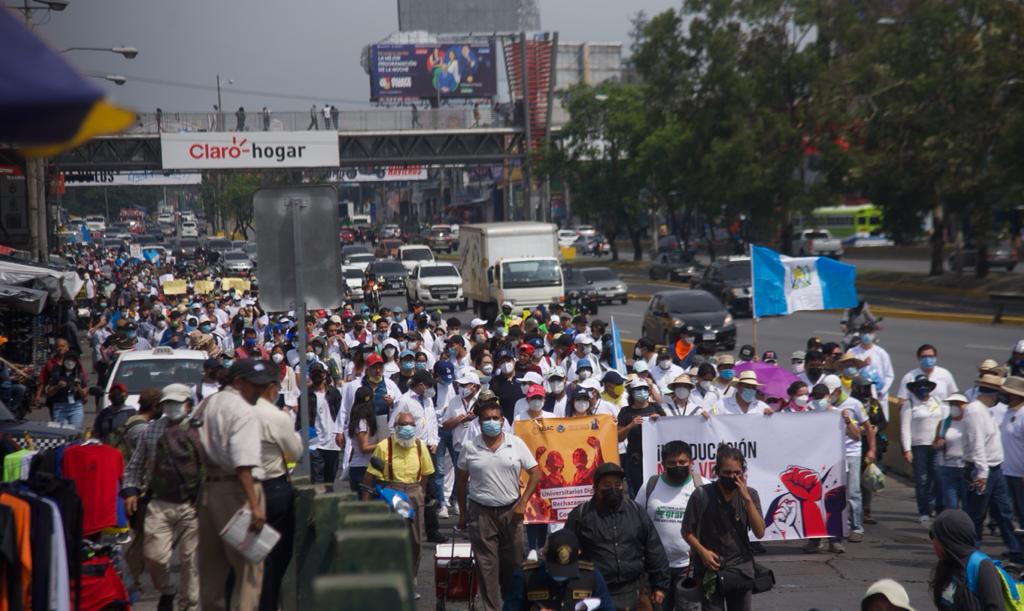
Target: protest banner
[568, 451]
[240, 285]
[203, 287]
[796, 462]
[175, 287]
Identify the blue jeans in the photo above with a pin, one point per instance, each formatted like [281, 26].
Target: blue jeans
[1016, 487]
[853, 496]
[69, 413]
[445, 444]
[953, 486]
[997, 495]
[923, 461]
[536, 535]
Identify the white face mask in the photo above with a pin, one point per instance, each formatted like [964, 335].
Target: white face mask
[802, 400]
[429, 392]
[665, 364]
[581, 406]
[535, 405]
[507, 367]
[798, 367]
[557, 387]
[310, 356]
[681, 392]
[466, 392]
[277, 357]
[524, 388]
[705, 385]
[488, 369]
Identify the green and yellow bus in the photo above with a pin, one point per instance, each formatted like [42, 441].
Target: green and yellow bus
[843, 221]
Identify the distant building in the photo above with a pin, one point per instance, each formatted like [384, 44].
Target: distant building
[463, 16]
[588, 62]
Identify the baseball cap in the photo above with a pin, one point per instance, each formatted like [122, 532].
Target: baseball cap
[531, 377]
[563, 553]
[526, 348]
[612, 377]
[374, 359]
[891, 590]
[770, 356]
[799, 355]
[608, 468]
[422, 377]
[407, 354]
[119, 386]
[1018, 348]
[445, 371]
[175, 392]
[580, 392]
[832, 382]
[640, 366]
[468, 376]
[556, 372]
[252, 370]
[584, 339]
[535, 390]
[590, 383]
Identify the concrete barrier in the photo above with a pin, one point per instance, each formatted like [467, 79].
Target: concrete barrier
[356, 521]
[373, 551]
[363, 592]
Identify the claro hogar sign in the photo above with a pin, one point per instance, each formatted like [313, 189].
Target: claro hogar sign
[213, 150]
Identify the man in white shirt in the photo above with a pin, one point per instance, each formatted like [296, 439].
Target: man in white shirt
[726, 373]
[1012, 432]
[877, 358]
[983, 460]
[704, 392]
[927, 357]
[665, 370]
[744, 400]
[330, 423]
[664, 498]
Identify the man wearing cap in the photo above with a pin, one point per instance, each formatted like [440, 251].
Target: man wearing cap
[919, 418]
[582, 344]
[877, 358]
[744, 400]
[630, 419]
[559, 581]
[641, 370]
[614, 389]
[983, 462]
[704, 391]
[460, 412]
[927, 357]
[419, 401]
[385, 392]
[492, 463]
[665, 370]
[406, 367]
[725, 367]
[230, 437]
[618, 536]
[556, 400]
[167, 520]
[114, 414]
[1011, 428]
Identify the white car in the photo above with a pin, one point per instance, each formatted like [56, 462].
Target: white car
[96, 223]
[189, 229]
[413, 255]
[353, 281]
[156, 368]
[566, 237]
[165, 218]
[237, 261]
[587, 231]
[360, 260]
[435, 283]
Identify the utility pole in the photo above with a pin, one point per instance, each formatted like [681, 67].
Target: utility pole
[220, 108]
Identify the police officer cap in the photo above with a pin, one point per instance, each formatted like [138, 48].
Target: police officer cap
[563, 553]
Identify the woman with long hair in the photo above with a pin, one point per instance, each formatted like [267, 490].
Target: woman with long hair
[362, 429]
[956, 583]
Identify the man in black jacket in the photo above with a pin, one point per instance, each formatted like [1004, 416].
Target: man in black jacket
[617, 535]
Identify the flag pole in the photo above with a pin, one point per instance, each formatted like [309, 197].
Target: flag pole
[753, 308]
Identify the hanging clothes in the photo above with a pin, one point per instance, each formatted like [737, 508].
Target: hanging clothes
[19, 598]
[96, 469]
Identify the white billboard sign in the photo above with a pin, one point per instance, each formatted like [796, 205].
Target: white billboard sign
[241, 150]
[130, 179]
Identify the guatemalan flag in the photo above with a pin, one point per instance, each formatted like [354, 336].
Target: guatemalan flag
[783, 285]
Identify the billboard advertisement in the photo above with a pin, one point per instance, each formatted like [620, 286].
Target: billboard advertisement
[448, 70]
[223, 150]
[386, 173]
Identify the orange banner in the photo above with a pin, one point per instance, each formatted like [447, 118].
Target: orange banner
[568, 451]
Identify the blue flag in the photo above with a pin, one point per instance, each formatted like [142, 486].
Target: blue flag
[618, 357]
[783, 285]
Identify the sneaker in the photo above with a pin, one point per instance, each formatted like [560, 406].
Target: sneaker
[836, 547]
[813, 546]
[166, 603]
[442, 512]
[855, 537]
[924, 520]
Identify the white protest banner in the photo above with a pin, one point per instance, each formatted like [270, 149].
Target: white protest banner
[135, 251]
[213, 150]
[796, 462]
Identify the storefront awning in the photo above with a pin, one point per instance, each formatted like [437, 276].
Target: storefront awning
[22, 299]
[57, 284]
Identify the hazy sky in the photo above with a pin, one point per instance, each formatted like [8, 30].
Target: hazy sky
[308, 49]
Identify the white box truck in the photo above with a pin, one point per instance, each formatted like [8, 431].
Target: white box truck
[515, 262]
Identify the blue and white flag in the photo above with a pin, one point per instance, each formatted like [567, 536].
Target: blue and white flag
[783, 285]
[618, 357]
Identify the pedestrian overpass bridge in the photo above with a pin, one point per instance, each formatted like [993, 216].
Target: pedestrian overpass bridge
[446, 136]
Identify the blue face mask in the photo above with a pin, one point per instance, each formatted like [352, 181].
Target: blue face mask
[408, 365]
[927, 362]
[491, 428]
[130, 334]
[867, 338]
[228, 362]
[250, 343]
[819, 404]
[748, 394]
[642, 395]
[850, 372]
[453, 352]
[727, 374]
[406, 431]
[421, 365]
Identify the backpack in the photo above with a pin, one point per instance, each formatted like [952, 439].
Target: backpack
[1013, 590]
[178, 469]
[652, 482]
[119, 436]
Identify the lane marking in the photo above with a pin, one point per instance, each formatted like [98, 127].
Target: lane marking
[984, 347]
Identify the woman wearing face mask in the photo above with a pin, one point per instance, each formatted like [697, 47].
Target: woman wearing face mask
[799, 398]
[949, 458]
[919, 418]
[288, 395]
[678, 402]
[65, 391]
[726, 374]
[630, 418]
[534, 404]
[961, 563]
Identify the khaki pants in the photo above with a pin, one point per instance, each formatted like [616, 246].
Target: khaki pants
[220, 501]
[496, 534]
[167, 524]
[415, 494]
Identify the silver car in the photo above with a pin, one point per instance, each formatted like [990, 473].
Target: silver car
[237, 261]
[606, 284]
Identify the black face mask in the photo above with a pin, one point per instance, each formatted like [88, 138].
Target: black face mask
[117, 399]
[728, 483]
[814, 373]
[611, 497]
[678, 474]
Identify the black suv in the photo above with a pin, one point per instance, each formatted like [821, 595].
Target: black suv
[729, 280]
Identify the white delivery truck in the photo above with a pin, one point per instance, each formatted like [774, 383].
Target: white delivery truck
[515, 262]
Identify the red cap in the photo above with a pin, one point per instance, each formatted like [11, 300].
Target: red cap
[118, 386]
[535, 390]
[374, 359]
[527, 348]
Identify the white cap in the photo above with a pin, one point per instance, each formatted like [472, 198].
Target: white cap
[554, 319]
[892, 591]
[532, 377]
[591, 384]
[556, 372]
[390, 342]
[468, 376]
[640, 366]
[351, 342]
[832, 382]
[336, 319]
[639, 382]
[175, 392]
[477, 322]
[584, 339]
[956, 398]
[1019, 348]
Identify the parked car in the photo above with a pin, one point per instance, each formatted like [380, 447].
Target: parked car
[576, 284]
[390, 274]
[236, 261]
[729, 280]
[566, 237]
[413, 255]
[1000, 254]
[696, 312]
[817, 243]
[352, 278]
[677, 266]
[435, 283]
[441, 238]
[606, 284]
[387, 249]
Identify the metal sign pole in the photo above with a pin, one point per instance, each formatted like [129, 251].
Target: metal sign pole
[296, 206]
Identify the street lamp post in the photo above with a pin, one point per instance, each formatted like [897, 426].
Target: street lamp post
[127, 52]
[220, 105]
